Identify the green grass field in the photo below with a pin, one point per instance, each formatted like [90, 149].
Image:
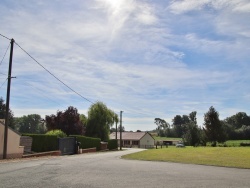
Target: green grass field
[238, 157]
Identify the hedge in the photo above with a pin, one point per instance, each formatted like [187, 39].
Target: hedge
[42, 143]
[244, 144]
[88, 142]
[112, 144]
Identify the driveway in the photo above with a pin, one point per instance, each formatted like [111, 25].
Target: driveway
[108, 170]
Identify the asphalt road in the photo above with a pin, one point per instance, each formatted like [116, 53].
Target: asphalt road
[108, 170]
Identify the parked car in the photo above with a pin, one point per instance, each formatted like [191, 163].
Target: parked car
[180, 145]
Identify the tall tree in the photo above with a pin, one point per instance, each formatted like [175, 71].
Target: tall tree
[30, 124]
[100, 119]
[179, 123]
[162, 126]
[213, 127]
[238, 120]
[192, 134]
[192, 117]
[3, 113]
[67, 121]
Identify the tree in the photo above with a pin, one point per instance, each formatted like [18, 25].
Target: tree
[238, 120]
[192, 117]
[3, 114]
[30, 124]
[67, 121]
[162, 126]
[213, 127]
[192, 133]
[179, 124]
[100, 119]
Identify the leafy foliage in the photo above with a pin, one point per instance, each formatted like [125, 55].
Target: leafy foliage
[100, 119]
[162, 126]
[58, 133]
[213, 127]
[30, 124]
[88, 142]
[67, 121]
[3, 114]
[43, 143]
[112, 144]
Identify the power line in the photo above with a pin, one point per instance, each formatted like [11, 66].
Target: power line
[4, 55]
[4, 36]
[3, 83]
[41, 93]
[53, 74]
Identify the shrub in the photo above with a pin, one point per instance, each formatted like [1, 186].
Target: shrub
[59, 133]
[244, 144]
[88, 142]
[42, 143]
[112, 144]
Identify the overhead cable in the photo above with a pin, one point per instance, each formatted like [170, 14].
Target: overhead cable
[4, 55]
[4, 36]
[53, 74]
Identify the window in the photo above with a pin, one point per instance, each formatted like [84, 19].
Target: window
[135, 142]
[126, 142]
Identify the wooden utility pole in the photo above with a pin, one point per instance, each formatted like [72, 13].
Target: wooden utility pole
[8, 102]
[120, 130]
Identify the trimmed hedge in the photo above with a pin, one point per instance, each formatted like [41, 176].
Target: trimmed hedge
[112, 144]
[88, 142]
[42, 143]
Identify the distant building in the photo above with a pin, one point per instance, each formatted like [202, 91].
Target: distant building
[135, 139]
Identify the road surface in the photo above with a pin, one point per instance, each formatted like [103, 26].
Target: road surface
[108, 170]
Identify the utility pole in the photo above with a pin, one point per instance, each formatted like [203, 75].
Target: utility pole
[116, 130]
[8, 102]
[120, 130]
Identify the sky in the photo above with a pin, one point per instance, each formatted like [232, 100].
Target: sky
[147, 58]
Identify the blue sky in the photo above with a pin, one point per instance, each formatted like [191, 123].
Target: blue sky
[147, 58]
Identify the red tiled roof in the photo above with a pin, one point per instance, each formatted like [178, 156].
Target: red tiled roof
[128, 135]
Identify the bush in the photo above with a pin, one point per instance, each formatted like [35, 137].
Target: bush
[59, 133]
[43, 143]
[112, 144]
[88, 142]
[244, 144]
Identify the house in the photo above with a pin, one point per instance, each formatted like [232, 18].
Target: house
[135, 139]
[14, 150]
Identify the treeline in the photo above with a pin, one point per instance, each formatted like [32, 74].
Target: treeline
[236, 127]
[97, 124]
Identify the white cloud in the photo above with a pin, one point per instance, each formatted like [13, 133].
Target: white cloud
[132, 55]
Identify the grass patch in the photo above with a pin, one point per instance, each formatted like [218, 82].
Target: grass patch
[237, 157]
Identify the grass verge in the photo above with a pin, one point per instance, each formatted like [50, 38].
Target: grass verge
[237, 157]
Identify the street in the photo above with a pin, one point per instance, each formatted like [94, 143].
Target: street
[106, 169]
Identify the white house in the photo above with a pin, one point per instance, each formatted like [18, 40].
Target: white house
[134, 139]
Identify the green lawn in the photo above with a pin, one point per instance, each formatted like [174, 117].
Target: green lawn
[238, 157]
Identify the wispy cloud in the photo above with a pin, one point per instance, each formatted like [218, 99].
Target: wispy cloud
[147, 58]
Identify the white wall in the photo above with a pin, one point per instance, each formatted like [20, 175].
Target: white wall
[147, 141]
[13, 148]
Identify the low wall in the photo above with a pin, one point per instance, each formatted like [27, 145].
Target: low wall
[88, 150]
[26, 141]
[49, 153]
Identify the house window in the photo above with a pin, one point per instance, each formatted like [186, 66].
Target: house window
[135, 142]
[126, 142]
